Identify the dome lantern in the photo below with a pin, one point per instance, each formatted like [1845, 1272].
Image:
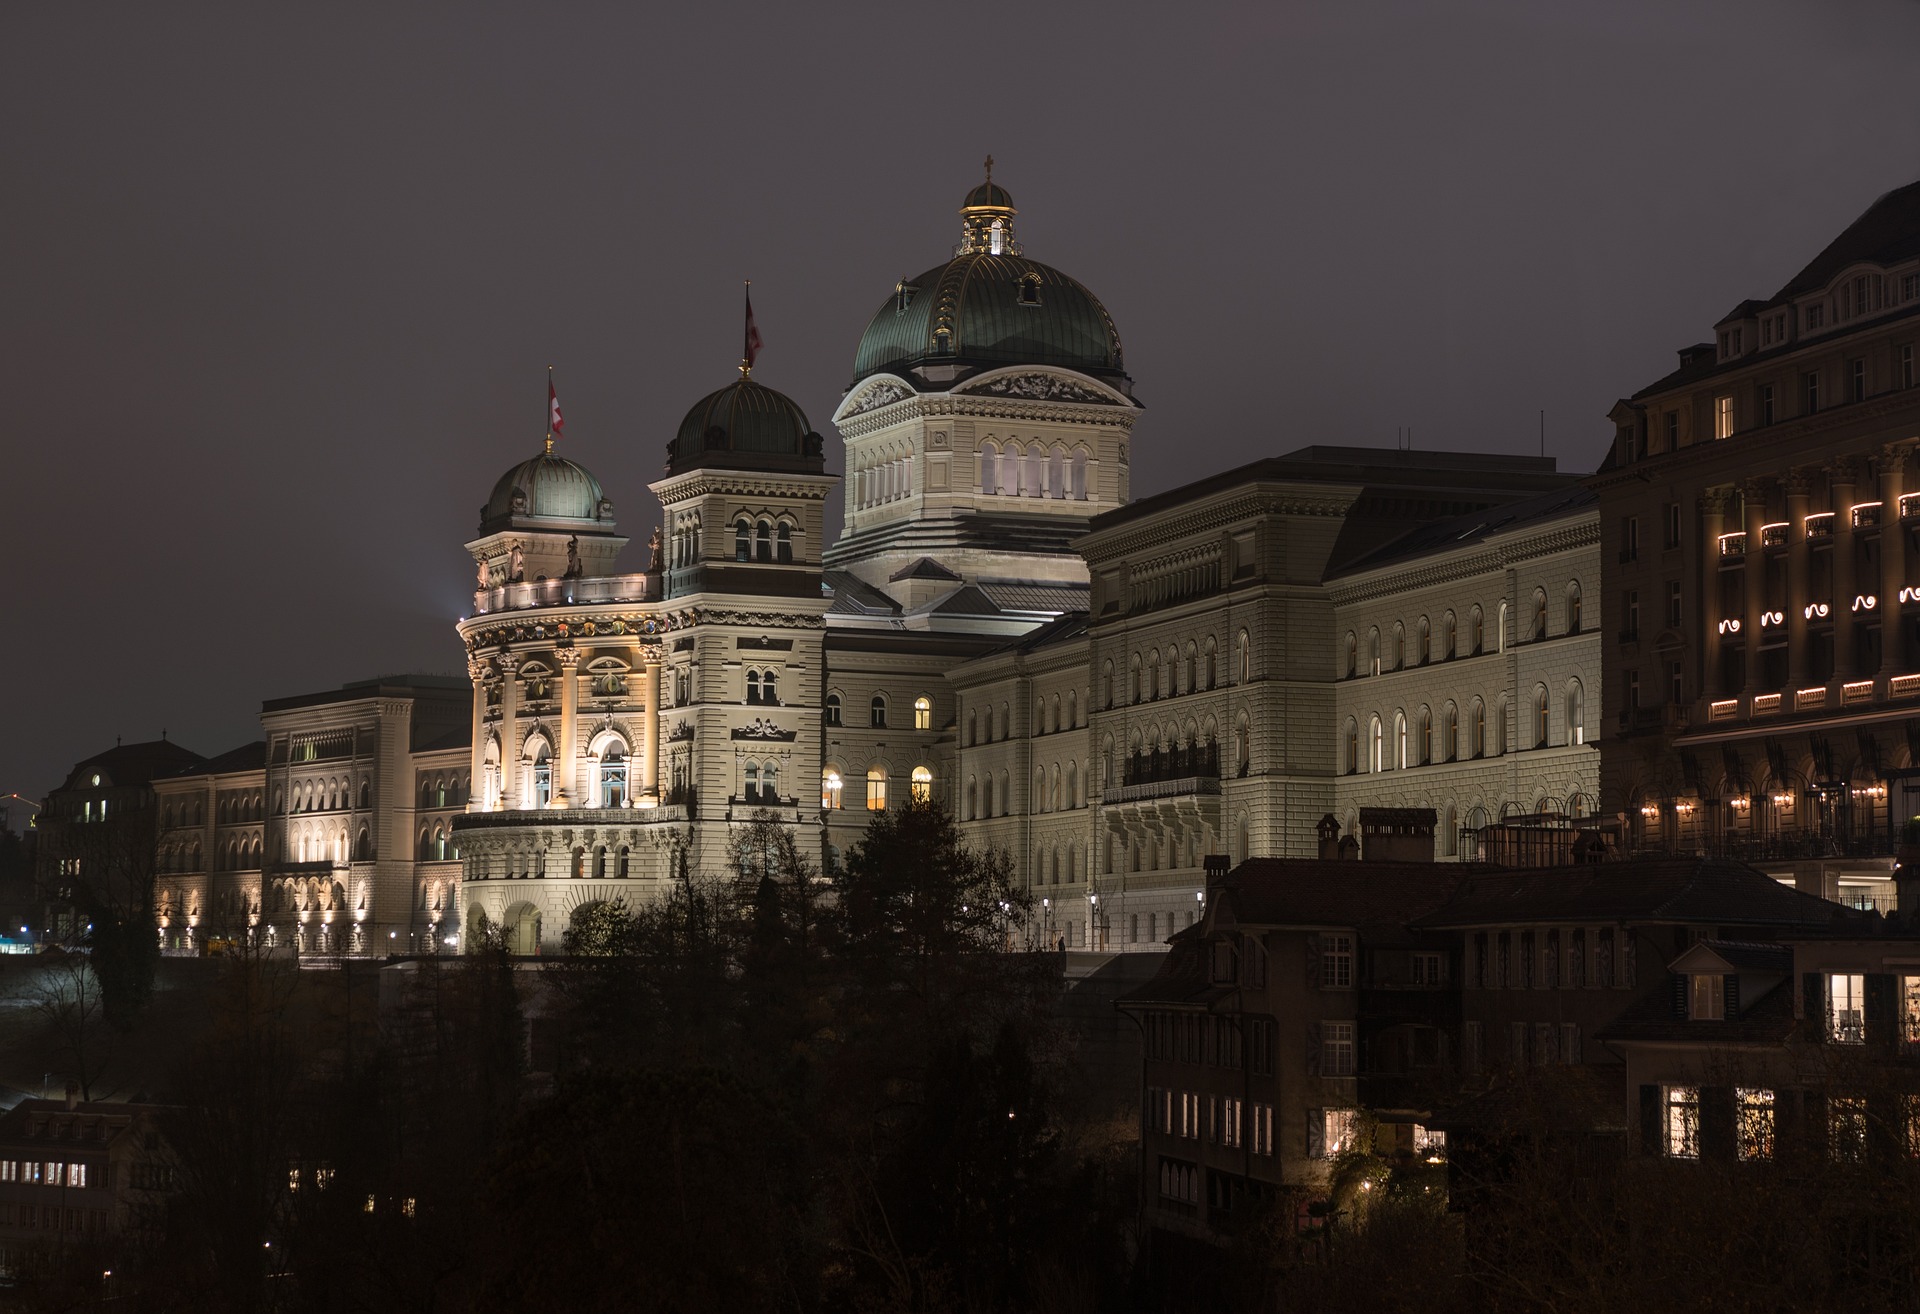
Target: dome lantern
[986, 220]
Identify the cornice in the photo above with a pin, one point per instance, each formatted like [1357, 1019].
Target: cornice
[950, 405]
[1428, 572]
[743, 483]
[1151, 532]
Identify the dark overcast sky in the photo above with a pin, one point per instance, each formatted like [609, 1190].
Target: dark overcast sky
[279, 284]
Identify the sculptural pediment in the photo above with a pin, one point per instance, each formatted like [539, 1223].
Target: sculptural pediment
[875, 394]
[1041, 385]
[762, 728]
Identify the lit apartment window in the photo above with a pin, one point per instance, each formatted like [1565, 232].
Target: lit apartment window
[1680, 1124]
[922, 787]
[1910, 1011]
[1753, 1122]
[1262, 1129]
[1339, 1132]
[1723, 417]
[1336, 1049]
[831, 787]
[1846, 1005]
[1336, 962]
[877, 790]
[923, 713]
[1708, 999]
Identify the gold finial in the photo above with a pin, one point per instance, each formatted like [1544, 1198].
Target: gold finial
[989, 168]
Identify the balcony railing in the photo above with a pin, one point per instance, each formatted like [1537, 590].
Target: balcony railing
[566, 592]
[1820, 526]
[1733, 545]
[633, 816]
[1152, 789]
[1773, 536]
[1175, 763]
[1866, 515]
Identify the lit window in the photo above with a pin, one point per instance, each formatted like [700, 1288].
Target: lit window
[922, 784]
[1723, 417]
[1846, 1016]
[878, 712]
[923, 713]
[830, 787]
[1339, 1132]
[1753, 1122]
[877, 790]
[1681, 1129]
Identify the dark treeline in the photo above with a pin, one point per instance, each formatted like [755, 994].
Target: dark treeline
[781, 1089]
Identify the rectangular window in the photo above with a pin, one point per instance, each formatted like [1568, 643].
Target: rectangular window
[1673, 430]
[1903, 365]
[1231, 1112]
[1570, 1042]
[1426, 969]
[1766, 404]
[1857, 379]
[1809, 392]
[1633, 690]
[1630, 538]
[1753, 1122]
[1340, 1132]
[1673, 602]
[1708, 997]
[1681, 1128]
[1673, 524]
[1336, 962]
[1910, 1011]
[1336, 1049]
[1630, 609]
[1262, 1129]
[1909, 286]
[1676, 684]
[1723, 417]
[1846, 1005]
[77, 1175]
[1813, 318]
[1470, 1046]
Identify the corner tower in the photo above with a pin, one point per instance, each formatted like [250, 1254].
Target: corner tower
[988, 420]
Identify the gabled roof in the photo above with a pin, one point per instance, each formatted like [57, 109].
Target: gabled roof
[1640, 890]
[133, 764]
[853, 596]
[924, 568]
[1767, 1019]
[1734, 956]
[1328, 892]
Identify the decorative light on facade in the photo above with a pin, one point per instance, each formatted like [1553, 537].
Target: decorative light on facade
[1865, 602]
[1649, 810]
[1730, 626]
[1783, 801]
[1875, 791]
[1740, 802]
[1773, 618]
[1910, 594]
[1817, 610]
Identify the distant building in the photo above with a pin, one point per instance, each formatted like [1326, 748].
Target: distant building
[1758, 510]
[76, 1174]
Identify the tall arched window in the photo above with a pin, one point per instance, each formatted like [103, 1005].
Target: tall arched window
[1246, 657]
[1207, 656]
[1476, 631]
[1449, 733]
[1350, 741]
[1423, 641]
[1350, 662]
[877, 789]
[742, 539]
[922, 784]
[1542, 725]
[923, 713]
[751, 791]
[989, 468]
[1376, 748]
[830, 788]
[833, 709]
[542, 774]
[770, 782]
[1500, 632]
[613, 775]
[1057, 473]
[1399, 646]
[770, 687]
[1400, 740]
[1080, 475]
[1539, 614]
[1447, 636]
[973, 727]
[763, 543]
[877, 710]
[1576, 713]
[1373, 650]
[1423, 738]
[1573, 607]
[971, 807]
[1477, 729]
[1500, 725]
[785, 543]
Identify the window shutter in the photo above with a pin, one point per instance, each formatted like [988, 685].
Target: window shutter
[1313, 1049]
[1732, 986]
[1716, 1122]
[1879, 1008]
[1316, 1134]
[1813, 989]
[1650, 1120]
[1313, 962]
[1682, 984]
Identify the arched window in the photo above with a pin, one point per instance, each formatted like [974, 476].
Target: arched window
[989, 468]
[878, 712]
[770, 782]
[1576, 713]
[923, 713]
[770, 687]
[1500, 726]
[742, 539]
[1080, 475]
[1073, 785]
[1106, 685]
[1400, 740]
[542, 774]
[1350, 747]
[785, 544]
[1246, 657]
[1423, 641]
[1423, 737]
[1207, 655]
[1447, 636]
[763, 543]
[986, 795]
[833, 709]
[971, 802]
[1541, 724]
[1476, 631]
[1399, 646]
[1349, 664]
[1500, 632]
[1057, 472]
[439, 844]
[1477, 731]
[1573, 607]
[751, 793]
[1073, 709]
[830, 788]
[877, 789]
[1449, 733]
[1375, 744]
[753, 686]
[922, 787]
[613, 775]
[1133, 679]
[1539, 614]
[1373, 650]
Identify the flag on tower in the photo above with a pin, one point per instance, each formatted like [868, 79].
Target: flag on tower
[752, 348]
[555, 425]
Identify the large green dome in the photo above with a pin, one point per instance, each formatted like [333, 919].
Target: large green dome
[745, 425]
[989, 306]
[548, 487]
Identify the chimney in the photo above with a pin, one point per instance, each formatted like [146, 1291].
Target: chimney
[1329, 832]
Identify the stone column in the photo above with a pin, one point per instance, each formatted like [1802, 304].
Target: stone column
[476, 757]
[1799, 486]
[1756, 581]
[566, 767]
[509, 732]
[1713, 521]
[1841, 477]
[1891, 466]
[650, 726]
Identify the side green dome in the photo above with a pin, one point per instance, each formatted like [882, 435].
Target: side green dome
[745, 425]
[548, 487]
[989, 307]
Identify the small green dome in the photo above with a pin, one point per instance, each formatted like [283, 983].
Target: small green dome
[548, 487]
[989, 193]
[745, 425]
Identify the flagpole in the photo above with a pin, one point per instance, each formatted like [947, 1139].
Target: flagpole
[746, 333]
[549, 410]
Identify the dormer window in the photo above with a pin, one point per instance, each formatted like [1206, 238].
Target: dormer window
[1707, 997]
[1813, 318]
[1030, 290]
[1909, 286]
[903, 292]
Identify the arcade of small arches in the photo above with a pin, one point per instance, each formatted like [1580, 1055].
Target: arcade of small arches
[328, 794]
[1399, 740]
[609, 762]
[1175, 670]
[767, 538]
[1401, 647]
[1055, 788]
[993, 724]
[1035, 469]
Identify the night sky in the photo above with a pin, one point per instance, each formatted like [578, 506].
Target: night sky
[278, 290]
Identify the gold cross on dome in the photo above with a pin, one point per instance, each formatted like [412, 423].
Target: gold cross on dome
[989, 168]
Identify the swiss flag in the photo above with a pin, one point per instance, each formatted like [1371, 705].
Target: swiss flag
[753, 333]
[555, 424]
